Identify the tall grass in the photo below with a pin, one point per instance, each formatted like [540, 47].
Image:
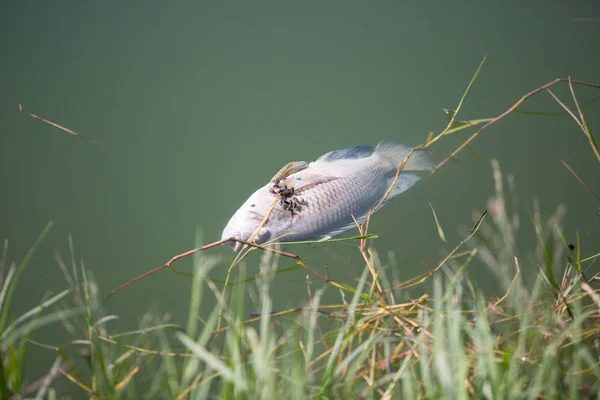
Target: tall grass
[538, 340]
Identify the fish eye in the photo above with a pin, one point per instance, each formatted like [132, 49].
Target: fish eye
[252, 205]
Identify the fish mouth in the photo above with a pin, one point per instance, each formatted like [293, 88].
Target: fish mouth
[237, 246]
[233, 242]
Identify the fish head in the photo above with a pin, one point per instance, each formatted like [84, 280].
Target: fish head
[248, 218]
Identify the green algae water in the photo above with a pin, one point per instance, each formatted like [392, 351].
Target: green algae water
[197, 104]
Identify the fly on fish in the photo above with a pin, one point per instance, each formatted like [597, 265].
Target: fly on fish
[319, 199]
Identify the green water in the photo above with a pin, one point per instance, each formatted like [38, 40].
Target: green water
[197, 104]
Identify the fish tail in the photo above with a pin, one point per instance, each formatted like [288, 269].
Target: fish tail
[420, 160]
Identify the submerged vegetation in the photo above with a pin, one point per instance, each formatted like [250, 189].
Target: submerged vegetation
[538, 339]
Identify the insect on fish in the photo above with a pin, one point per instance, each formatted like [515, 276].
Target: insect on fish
[327, 193]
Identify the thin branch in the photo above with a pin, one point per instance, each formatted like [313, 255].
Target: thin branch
[510, 110]
[54, 124]
[584, 127]
[169, 263]
[580, 180]
[566, 109]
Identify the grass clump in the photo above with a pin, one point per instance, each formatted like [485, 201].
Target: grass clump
[538, 340]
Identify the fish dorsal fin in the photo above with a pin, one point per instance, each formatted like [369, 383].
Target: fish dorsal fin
[288, 169]
[343, 154]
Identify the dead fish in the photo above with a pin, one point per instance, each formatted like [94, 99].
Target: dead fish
[326, 193]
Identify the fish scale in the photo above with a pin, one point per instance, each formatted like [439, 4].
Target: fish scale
[332, 189]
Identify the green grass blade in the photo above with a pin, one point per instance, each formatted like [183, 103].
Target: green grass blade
[9, 277]
[20, 269]
[329, 239]
[211, 360]
[437, 224]
[466, 92]
[327, 376]
[34, 311]
[204, 265]
[42, 321]
[146, 331]
[256, 277]
[48, 379]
